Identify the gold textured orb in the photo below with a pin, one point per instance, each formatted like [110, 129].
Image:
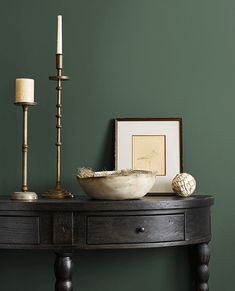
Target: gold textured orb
[184, 184]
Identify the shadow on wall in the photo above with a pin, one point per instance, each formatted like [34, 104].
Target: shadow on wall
[106, 159]
[108, 269]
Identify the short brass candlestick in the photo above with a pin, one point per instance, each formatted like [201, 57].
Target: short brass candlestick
[58, 192]
[24, 194]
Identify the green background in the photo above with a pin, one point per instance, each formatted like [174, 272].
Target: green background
[126, 58]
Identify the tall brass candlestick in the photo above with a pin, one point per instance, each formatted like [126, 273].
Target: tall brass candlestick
[24, 194]
[58, 192]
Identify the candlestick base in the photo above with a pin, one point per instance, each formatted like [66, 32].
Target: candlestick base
[57, 194]
[26, 196]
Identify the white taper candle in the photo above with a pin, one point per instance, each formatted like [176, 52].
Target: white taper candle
[59, 34]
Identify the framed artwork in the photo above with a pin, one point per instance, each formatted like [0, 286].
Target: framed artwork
[153, 144]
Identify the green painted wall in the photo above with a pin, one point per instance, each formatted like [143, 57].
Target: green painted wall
[126, 58]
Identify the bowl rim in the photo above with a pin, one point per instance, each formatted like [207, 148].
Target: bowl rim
[117, 173]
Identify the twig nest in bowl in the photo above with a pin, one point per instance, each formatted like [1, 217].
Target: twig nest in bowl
[184, 184]
[116, 185]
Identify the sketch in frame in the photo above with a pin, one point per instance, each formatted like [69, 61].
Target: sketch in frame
[149, 153]
[153, 144]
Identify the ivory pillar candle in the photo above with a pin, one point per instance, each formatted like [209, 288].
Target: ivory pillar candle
[59, 34]
[24, 90]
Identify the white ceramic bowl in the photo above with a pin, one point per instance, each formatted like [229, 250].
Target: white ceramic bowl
[113, 186]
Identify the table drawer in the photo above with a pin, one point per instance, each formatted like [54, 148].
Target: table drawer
[19, 230]
[134, 229]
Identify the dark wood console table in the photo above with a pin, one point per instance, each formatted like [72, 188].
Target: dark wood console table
[80, 223]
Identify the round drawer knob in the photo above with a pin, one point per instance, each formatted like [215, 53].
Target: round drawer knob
[140, 229]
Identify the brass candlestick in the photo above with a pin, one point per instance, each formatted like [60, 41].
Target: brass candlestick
[58, 192]
[24, 194]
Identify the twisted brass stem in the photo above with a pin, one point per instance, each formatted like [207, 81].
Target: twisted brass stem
[58, 192]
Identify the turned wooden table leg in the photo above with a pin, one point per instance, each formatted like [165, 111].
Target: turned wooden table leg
[203, 258]
[63, 272]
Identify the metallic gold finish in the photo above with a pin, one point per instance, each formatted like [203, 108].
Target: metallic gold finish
[58, 192]
[25, 103]
[59, 62]
[27, 196]
[25, 149]
[24, 195]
